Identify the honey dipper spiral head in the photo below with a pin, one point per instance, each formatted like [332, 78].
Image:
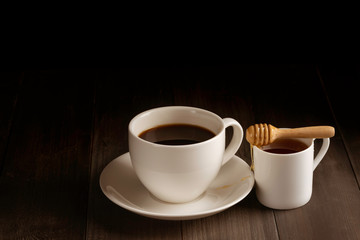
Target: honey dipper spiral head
[260, 134]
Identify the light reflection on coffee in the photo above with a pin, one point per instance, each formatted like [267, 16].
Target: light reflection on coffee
[176, 134]
[285, 146]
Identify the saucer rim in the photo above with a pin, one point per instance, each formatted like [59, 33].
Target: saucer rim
[172, 216]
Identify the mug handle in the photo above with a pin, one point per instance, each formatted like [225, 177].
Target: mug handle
[322, 152]
[235, 141]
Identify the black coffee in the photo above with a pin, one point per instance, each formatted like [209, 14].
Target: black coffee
[286, 146]
[176, 134]
[280, 150]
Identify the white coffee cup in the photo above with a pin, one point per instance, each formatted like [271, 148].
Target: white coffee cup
[284, 181]
[180, 173]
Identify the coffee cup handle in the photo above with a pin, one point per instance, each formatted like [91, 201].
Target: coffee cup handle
[236, 140]
[324, 147]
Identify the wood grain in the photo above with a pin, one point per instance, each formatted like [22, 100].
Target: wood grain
[44, 183]
[247, 220]
[9, 84]
[334, 203]
[60, 128]
[314, 108]
[341, 84]
[116, 104]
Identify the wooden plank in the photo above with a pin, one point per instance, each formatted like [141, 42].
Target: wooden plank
[286, 96]
[341, 83]
[9, 86]
[119, 97]
[246, 220]
[222, 91]
[303, 103]
[50, 190]
[45, 177]
[334, 209]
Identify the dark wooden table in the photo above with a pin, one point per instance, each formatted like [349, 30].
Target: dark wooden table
[60, 128]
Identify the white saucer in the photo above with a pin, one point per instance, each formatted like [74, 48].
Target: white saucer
[120, 184]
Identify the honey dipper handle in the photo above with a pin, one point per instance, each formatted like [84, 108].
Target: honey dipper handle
[307, 132]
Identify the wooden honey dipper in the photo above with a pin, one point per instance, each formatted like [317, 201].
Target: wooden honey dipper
[264, 134]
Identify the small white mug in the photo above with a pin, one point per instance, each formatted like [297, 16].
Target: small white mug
[284, 181]
[180, 173]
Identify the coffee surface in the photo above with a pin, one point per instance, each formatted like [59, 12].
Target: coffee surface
[176, 134]
[286, 146]
[280, 150]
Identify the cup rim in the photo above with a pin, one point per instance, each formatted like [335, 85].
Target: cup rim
[288, 154]
[217, 135]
